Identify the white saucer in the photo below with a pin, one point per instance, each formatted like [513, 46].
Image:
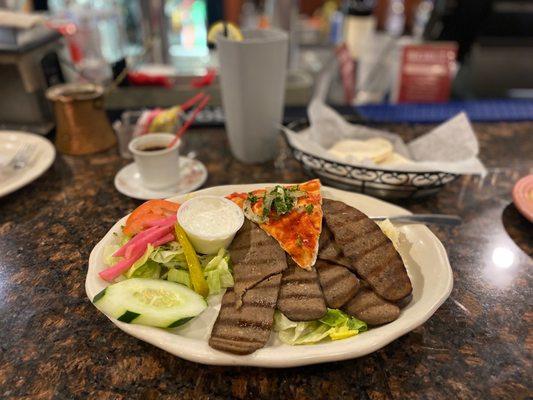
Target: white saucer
[42, 158]
[128, 181]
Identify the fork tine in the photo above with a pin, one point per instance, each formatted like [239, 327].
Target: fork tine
[22, 156]
[28, 148]
[21, 152]
[17, 154]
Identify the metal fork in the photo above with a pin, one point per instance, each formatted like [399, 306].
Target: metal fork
[22, 157]
[438, 219]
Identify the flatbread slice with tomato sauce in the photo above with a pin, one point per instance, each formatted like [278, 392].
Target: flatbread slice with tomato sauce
[291, 214]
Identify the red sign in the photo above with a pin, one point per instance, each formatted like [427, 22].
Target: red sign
[426, 73]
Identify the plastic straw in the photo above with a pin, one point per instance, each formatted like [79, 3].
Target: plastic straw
[192, 101]
[191, 119]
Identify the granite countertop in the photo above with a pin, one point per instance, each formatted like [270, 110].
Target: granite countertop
[55, 345]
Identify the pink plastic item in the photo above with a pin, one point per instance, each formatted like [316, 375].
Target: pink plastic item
[523, 196]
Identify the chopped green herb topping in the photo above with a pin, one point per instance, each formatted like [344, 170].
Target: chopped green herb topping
[279, 200]
[299, 241]
[252, 198]
[309, 208]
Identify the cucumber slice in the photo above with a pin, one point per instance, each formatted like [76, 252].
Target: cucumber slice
[152, 302]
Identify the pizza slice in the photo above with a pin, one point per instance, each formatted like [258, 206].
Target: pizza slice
[291, 214]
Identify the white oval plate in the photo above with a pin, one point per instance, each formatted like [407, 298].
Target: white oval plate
[44, 156]
[427, 265]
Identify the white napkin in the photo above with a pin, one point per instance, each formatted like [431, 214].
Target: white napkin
[450, 147]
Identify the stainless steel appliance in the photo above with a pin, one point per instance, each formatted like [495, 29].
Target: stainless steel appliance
[28, 66]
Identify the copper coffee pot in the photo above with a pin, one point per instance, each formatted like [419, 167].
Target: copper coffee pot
[82, 125]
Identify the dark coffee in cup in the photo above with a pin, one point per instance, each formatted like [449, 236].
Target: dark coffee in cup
[158, 164]
[152, 148]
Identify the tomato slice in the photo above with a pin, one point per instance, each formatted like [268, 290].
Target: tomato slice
[149, 211]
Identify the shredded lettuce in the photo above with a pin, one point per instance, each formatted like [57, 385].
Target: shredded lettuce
[150, 269]
[179, 276]
[217, 272]
[168, 262]
[121, 237]
[109, 250]
[140, 263]
[170, 255]
[335, 325]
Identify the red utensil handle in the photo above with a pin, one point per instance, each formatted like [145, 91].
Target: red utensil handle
[191, 119]
[192, 101]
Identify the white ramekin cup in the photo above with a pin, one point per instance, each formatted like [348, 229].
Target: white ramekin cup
[159, 169]
[222, 226]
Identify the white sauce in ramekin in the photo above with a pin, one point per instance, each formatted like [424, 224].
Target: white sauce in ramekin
[210, 222]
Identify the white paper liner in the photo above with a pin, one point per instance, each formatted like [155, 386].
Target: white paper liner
[450, 147]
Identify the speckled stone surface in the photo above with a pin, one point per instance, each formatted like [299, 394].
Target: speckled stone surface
[55, 345]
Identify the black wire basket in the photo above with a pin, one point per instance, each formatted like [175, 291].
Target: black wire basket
[376, 182]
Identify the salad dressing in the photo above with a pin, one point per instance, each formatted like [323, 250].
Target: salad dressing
[210, 222]
[210, 216]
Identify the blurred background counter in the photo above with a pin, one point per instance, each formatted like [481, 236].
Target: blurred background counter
[155, 53]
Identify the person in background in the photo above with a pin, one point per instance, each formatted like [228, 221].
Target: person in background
[459, 21]
[215, 11]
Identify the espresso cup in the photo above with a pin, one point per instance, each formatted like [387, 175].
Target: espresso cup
[158, 165]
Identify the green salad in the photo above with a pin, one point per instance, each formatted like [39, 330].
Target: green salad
[335, 325]
[168, 262]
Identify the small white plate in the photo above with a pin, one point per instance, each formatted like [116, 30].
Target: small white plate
[128, 181]
[43, 157]
[424, 257]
